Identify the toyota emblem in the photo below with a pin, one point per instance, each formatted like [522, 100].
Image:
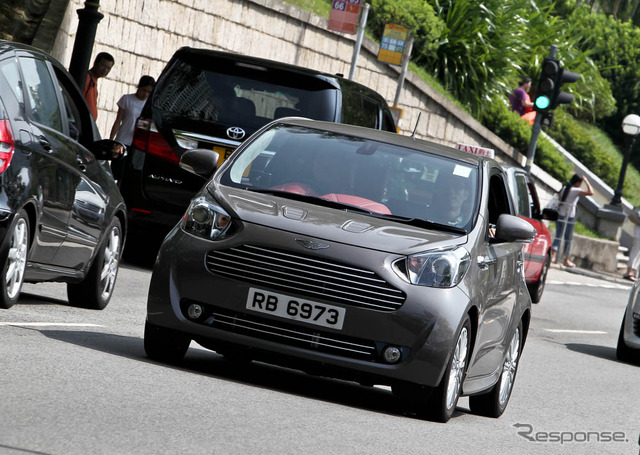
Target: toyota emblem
[235, 132]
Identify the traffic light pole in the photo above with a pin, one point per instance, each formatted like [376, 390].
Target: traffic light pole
[537, 124]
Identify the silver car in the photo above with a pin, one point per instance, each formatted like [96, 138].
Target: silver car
[628, 349]
[350, 253]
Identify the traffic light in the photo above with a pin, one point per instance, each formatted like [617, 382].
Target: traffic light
[548, 94]
[547, 84]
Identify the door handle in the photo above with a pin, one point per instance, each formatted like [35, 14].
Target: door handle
[485, 261]
[45, 143]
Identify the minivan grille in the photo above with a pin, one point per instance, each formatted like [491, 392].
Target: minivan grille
[306, 276]
[284, 333]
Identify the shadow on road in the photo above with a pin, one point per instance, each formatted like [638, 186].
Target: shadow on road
[603, 352]
[208, 363]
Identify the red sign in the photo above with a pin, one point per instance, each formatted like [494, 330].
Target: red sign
[344, 16]
[475, 150]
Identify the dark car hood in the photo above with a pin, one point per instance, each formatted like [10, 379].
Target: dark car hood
[331, 224]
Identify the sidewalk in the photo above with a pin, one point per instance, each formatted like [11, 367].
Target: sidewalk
[611, 277]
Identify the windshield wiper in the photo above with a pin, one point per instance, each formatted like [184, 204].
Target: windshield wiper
[313, 199]
[421, 222]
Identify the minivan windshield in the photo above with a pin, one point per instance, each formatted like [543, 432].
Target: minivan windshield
[401, 183]
[234, 93]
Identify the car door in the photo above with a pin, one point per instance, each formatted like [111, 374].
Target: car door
[88, 199]
[500, 279]
[52, 157]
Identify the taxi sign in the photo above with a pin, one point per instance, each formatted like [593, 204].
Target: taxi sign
[475, 150]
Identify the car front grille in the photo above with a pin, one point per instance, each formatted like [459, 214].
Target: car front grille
[306, 276]
[283, 332]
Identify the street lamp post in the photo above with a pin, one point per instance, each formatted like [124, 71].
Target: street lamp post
[631, 129]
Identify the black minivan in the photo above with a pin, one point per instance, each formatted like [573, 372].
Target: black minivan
[215, 100]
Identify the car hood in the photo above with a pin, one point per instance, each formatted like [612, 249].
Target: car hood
[331, 224]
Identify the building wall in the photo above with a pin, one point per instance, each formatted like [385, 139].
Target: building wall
[143, 34]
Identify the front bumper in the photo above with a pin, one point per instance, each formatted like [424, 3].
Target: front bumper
[423, 327]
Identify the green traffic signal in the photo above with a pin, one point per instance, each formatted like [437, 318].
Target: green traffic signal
[542, 102]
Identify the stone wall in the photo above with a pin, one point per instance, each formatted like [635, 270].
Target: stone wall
[143, 34]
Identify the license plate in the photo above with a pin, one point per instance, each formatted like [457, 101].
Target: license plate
[223, 153]
[288, 307]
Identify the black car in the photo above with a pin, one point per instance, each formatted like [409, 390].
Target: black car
[62, 217]
[215, 100]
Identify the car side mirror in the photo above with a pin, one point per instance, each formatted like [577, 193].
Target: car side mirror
[511, 228]
[106, 149]
[550, 214]
[201, 162]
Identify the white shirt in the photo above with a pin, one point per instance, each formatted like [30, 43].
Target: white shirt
[569, 203]
[132, 108]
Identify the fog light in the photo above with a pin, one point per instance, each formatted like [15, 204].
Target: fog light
[636, 316]
[194, 311]
[391, 354]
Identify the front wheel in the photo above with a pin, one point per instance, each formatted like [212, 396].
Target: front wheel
[623, 352]
[15, 263]
[494, 402]
[445, 397]
[164, 345]
[95, 291]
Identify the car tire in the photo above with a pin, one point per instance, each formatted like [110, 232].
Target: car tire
[15, 254]
[536, 289]
[623, 352]
[95, 291]
[444, 398]
[164, 345]
[494, 402]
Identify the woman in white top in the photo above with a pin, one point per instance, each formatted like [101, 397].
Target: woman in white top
[569, 196]
[129, 109]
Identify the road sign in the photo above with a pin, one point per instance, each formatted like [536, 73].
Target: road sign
[393, 43]
[344, 15]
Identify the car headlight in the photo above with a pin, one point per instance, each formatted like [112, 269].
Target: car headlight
[206, 219]
[438, 269]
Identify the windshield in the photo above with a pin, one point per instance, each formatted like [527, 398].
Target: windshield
[384, 179]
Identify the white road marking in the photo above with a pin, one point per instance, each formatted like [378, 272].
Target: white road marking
[589, 332]
[49, 324]
[575, 283]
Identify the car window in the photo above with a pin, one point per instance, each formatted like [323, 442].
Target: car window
[381, 177]
[41, 93]
[498, 202]
[359, 110]
[9, 70]
[242, 95]
[523, 199]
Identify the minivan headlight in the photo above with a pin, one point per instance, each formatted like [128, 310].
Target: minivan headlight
[438, 269]
[206, 219]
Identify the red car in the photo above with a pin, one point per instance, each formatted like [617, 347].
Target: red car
[527, 206]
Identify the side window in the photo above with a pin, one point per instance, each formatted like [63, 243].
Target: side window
[9, 70]
[76, 110]
[523, 199]
[498, 199]
[359, 110]
[388, 124]
[41, 93]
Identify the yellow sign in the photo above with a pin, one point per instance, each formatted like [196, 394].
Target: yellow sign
[393, 42]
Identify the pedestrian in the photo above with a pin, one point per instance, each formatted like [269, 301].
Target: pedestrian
[569, 195]
[521, 101]
[129, 109]
[101, 67]
[634, 254]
